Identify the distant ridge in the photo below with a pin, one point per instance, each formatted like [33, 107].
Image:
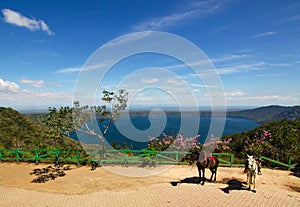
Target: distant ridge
[260, 115]
[268, 113]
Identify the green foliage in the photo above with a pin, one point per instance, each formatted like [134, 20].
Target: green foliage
[19, 131]
[73, 119]
[121, 146]
[276, 140]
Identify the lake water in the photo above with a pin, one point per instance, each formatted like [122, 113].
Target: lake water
[137, 131]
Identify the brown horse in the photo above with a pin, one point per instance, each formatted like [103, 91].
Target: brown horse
[204, 161]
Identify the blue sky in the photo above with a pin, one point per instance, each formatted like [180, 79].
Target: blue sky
[254, 46]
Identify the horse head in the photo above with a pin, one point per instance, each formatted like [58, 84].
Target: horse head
[251, 161]
[194, 156]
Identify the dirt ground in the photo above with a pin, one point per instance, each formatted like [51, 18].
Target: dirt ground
[177, 184]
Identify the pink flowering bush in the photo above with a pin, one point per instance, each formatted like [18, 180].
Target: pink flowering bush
[259, 143]
[215, 144]
[171, 143]
[160, 143]
[185, 144]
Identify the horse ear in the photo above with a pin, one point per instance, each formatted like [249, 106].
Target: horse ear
[248, 155]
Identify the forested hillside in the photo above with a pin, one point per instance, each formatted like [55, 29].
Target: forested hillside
[268, 113]
[19, 131]
[276, 140]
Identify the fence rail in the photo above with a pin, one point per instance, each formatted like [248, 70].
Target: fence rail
[288, 165]
[102, 156]
[80, 157]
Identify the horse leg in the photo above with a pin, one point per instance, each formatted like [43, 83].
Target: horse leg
[254, 178]
[212, 174]
[199, 171]
[215, 179]
[248, 179]
[203, 178]
[200, 177]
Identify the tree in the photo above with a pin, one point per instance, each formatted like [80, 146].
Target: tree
[67, 120]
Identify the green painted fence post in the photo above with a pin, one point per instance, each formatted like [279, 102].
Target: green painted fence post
[77, 157]
[36, 157]
[290, 162]
[17, 155]
[231, 159]
[102, 154]
[125, 158]
[56, 156]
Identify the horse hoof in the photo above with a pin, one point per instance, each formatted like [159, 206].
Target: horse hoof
[202, 183]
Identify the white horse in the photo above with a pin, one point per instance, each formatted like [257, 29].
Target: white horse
[252, 171]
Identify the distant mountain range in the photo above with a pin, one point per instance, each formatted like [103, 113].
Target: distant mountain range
[259, 115]
[268, 113]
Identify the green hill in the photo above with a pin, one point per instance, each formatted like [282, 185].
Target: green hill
[277, 140]
[19, 131]
[268, 113]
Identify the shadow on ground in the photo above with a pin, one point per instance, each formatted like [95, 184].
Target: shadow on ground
[295, 188]
[234, 184]
[48, 173]
[190, 180]
[296, 171]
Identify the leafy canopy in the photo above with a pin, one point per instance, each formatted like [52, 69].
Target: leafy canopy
[67, 120]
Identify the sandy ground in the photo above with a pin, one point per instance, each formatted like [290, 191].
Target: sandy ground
[175, 186]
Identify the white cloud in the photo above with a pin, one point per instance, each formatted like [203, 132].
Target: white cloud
[80, 68]
[46, 28]
[158, 23]
[149, 81]
[69, 70]
[270, 75]
[194, 9]
[265, 34]
[228, 57]
[241, 68]
[235, 93]
[197, 90]
[291, 18]
[33, 83]
[176, 81]
[16, 18]
[30, 99]
[240, 97]
[55, 84]
[8, 86]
